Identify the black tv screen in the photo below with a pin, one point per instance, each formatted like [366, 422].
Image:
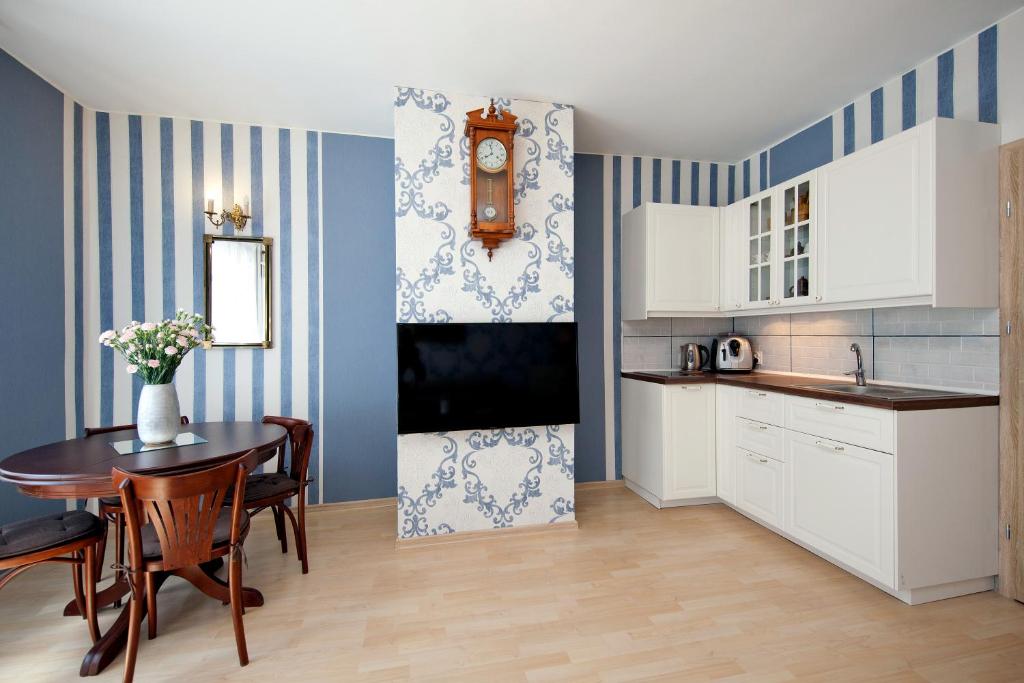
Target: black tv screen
[456, 376]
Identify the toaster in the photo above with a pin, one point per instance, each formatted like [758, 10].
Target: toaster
[732, 354]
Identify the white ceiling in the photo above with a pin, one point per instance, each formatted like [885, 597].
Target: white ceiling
[695, 79]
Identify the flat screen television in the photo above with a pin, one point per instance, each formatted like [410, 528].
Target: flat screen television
[457, 376]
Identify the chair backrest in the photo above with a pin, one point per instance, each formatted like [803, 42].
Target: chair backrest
[183, 509]
[300, 437]
[93, 431]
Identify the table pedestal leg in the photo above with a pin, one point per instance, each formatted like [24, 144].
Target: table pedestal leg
[110, 644]
[117, 590]
[205, 580]
[104, 598]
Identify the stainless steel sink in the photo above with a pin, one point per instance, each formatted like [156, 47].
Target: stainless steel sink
[879, 391]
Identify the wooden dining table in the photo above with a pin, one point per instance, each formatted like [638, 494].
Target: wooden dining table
[81, 468]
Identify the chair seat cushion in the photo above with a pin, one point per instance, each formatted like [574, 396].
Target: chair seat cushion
[272, 484]
[111, 501]
[49, 531]
[221, 533]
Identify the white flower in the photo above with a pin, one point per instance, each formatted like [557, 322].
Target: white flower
[107, 336]
[148, 327]
[154, 363]
[171, 350]
[181, 341]
[132, 369]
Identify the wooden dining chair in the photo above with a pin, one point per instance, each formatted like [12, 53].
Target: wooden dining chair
[69, 537]
[111, 512]
[274, 489]
[188, 526]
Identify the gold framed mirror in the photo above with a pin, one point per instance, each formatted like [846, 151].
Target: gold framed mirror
[238, 281]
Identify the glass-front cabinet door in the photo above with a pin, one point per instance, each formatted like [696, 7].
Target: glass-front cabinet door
[759, 275]
[798, 235]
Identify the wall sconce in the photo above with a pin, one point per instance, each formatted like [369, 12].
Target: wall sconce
[237, 215]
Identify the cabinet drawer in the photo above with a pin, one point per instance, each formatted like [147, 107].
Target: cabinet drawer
[763, 406]
[760, 489]
[760, 438]
[840, 502]
[846, 422]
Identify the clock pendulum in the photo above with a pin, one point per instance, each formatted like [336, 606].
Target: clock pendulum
[489, 211]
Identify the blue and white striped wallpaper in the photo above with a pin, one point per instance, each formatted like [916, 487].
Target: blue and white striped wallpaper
[628, 182]
[135, 190]
[962, 82]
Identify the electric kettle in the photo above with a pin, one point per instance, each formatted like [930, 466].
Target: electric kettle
[694, 357]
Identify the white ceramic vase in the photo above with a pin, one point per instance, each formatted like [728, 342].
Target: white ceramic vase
[159, 414]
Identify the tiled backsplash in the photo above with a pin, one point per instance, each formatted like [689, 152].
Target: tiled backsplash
[949, 347]
[654, 344]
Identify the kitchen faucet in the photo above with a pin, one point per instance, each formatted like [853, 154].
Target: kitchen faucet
[859, 372]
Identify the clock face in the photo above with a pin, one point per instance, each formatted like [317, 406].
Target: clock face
[491, 154]
[490, 212]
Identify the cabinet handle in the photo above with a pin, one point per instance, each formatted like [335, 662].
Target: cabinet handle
[817, 298]
[758, 394]
[755, 427]
[690, 387]
[828, 446]
[756, 457]
[738, 305]
[829, 406]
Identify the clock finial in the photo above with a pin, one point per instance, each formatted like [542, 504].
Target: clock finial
[492, 110]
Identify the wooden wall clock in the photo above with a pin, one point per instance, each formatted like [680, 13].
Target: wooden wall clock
[491, 135]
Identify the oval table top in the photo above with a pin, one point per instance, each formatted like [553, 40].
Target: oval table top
[80, 468]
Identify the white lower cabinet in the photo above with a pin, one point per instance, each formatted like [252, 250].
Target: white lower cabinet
[668, 441]
[904, 499]
[761, 487]
[690, 458]
[725, 446]
[841, 502]
[760, 438]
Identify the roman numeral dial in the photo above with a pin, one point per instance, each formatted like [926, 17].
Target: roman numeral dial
[491, 154]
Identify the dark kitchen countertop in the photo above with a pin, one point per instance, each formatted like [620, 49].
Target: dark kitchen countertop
[804, 386]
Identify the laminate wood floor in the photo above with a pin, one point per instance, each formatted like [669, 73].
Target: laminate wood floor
[686, 594]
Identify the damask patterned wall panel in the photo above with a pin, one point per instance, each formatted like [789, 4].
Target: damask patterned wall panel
[472, 480]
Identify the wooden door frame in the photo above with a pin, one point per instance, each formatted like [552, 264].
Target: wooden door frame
[1011, 369]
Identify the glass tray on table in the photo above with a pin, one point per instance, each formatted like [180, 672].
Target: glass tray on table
[130, 446]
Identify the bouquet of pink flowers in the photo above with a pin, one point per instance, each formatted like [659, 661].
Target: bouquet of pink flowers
[155, 350]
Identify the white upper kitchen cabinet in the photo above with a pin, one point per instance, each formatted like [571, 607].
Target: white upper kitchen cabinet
[797, 256]
[913, 218]
[729, 292]
[755, 260]
[772, 246]
[670, 260]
